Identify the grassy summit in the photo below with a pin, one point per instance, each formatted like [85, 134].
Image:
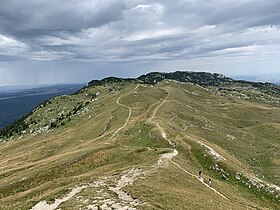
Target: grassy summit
[111, 146]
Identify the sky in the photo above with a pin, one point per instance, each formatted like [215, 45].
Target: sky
[74, 41]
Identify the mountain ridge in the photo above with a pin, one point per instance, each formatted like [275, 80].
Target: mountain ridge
[204, 79]
[199, 78]
[140, 144]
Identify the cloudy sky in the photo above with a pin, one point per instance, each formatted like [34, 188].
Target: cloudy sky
[58, 41]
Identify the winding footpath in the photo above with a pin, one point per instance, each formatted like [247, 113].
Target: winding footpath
[128, 117]
[169, 156]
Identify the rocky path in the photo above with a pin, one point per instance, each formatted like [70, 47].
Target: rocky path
[43, 205]
[105, 193]
[108, 193]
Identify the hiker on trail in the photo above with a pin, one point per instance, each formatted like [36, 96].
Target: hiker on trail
[174, 145]
[199, 173]
[210, 183]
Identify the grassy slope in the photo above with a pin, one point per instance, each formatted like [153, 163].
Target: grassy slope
[46, 165]
[195, 115]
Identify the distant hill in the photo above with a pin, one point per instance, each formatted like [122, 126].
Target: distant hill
[199, 78]
[272, 78]
[15, 102]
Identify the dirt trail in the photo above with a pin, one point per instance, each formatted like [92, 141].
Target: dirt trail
[128, 117]
[156, 109]
[169, 156]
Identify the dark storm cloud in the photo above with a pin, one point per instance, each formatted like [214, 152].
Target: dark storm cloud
[139, 31]
[123, 30]
[31, 15]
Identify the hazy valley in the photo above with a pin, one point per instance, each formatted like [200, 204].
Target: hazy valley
[15, 102]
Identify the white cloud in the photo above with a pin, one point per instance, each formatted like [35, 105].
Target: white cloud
[10, 46]
[155, 9]
[160, 33]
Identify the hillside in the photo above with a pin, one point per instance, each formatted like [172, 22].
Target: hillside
[111, 146]
[16, 102]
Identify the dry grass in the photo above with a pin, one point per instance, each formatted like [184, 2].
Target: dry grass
[46, 166]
